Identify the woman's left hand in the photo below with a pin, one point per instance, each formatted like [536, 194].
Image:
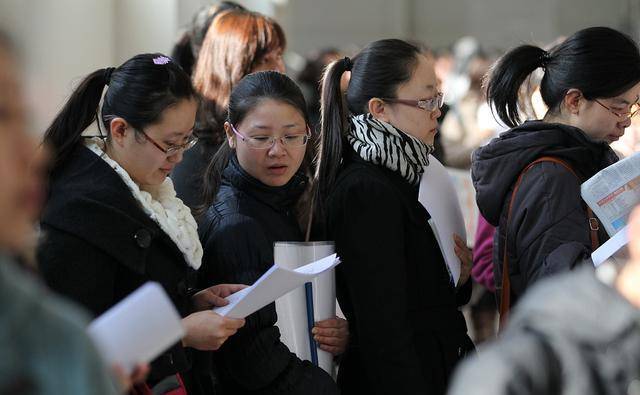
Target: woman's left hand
[466, 259]
[332, 335]
[127, 381]
[215, 296]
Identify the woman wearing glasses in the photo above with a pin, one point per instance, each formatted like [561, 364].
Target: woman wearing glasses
[112, 220]
[252, 186]
[591, 87]
[237, 43]
[393, 285]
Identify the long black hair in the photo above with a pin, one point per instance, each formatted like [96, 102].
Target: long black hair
[599, 61]
[138, 91]
[377, 71]
[246, 96]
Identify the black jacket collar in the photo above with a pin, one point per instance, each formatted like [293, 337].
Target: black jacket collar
[281, 198]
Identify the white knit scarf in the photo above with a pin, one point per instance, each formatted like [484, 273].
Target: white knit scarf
[160, 203]
[383, 144]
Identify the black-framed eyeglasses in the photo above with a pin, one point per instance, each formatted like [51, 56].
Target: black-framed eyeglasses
[635, 108]
[266, 142]
[172, 149]
[431, 104]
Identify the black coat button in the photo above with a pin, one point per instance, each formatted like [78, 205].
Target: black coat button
[143, 238]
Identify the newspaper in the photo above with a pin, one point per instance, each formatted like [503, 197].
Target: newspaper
[613, 192]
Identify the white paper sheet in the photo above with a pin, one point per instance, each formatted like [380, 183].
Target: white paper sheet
[610, 247]
[292, 307]
[138, 328]
[439, 197]
[276, 282]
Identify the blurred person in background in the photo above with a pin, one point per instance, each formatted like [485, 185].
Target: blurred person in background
[185, 51]
[45, 349]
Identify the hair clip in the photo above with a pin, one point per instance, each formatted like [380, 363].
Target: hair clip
[161, 60]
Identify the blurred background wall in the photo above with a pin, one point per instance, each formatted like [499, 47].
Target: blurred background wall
[63, 40]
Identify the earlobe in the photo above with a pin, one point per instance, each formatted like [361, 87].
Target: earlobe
[118, 130]
[572, 101]
[230, 136]
[378, 109]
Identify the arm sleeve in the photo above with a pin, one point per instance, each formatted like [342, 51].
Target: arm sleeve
[551, 228]
[482, 271]
[254, 358]
[77, 270]
[367, 224]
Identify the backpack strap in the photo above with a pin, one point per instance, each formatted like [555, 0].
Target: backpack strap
[594, 225]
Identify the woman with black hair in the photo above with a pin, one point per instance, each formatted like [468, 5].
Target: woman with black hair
[528, 180]
[393, 285]
[112, 221]
[237, 43]
[252, 187]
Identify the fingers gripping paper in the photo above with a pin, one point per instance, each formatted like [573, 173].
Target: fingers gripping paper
[276, 282]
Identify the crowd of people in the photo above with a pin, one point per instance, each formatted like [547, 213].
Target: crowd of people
[186, 169]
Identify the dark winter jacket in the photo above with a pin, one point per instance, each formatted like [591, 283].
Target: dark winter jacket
[549, 230]
[571, 335]
[188, 175]
[393, 286]
[98, 246]
[237, 233]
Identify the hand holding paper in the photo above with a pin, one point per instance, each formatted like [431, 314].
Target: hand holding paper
[332, 335]
[207, 331]
[276, 282]
[466, 259]
[215, 296]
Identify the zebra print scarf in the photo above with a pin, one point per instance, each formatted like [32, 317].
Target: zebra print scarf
[383, 144]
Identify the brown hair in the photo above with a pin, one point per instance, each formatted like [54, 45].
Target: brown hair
[235, 42]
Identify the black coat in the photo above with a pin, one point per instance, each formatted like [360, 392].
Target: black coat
[393, 286]
[238, 232]
[571, 335]
[188, 175]
[548, 231]
[98, 246]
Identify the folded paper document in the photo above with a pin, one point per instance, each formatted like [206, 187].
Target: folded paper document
[276, 282]
[439, 197]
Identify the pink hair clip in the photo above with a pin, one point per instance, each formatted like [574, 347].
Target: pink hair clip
[161, 60]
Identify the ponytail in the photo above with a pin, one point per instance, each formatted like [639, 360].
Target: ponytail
[78, 113]
[506, 77]
[139, 92]
[599, 61]
[332, 122]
